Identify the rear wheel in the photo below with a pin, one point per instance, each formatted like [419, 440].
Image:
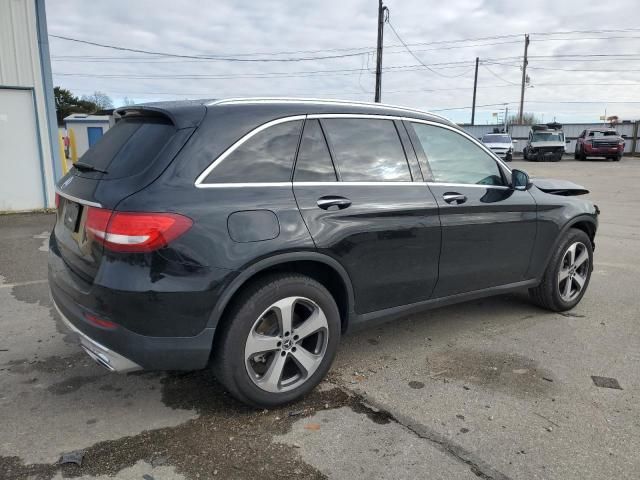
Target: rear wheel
[280, 339]
[567, 276]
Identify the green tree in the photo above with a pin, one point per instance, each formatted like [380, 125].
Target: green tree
[67, 103]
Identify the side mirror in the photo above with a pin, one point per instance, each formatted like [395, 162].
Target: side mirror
[520, 180]
[624, 136]
[514, 141]
[567, 141]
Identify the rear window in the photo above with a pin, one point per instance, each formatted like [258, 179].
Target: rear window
[128, 148]
[265, 157]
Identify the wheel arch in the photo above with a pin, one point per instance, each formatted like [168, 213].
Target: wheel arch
[585, 222]
[322, 268]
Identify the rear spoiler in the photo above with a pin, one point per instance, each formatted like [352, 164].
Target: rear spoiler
[181, 115]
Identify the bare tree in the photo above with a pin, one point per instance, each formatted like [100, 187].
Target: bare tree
[101, 100]
[126, 101]
[527, 119]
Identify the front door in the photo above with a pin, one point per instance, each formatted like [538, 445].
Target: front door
[94, 134]
[488, 228]
[369, 212]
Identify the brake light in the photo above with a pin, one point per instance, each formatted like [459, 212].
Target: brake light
[134, 231]
[57, 201]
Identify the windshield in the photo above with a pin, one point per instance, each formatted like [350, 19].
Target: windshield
[547, 137]
[603, 134]
[496, 139]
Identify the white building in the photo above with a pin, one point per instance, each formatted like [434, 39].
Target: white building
[29, 153]
[87, 129]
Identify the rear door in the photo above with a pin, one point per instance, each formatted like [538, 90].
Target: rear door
[488, 229]
[364, 202]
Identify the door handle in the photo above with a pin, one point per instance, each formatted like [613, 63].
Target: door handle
[452, 197]
[333, 201]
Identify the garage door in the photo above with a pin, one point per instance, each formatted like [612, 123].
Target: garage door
[20, 166]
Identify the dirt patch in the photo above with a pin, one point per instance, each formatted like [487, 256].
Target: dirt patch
[52, 364]
[228, 439]
[72, 384]
[508, 372]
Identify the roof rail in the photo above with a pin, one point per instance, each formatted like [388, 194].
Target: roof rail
[320, 101]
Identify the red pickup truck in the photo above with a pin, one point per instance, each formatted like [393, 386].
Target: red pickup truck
[599, 142]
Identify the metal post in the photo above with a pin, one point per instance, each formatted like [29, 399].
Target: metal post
[524, 77]
[381, 9]
[475, 86]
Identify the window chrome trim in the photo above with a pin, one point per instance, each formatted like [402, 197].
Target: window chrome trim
[199, 183]
[353, 184]
[78, 200]
[237, 185]
[463, 185]
[323, 101]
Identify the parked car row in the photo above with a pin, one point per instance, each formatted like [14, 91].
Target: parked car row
[548, 143]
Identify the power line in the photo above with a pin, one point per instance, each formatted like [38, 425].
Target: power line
[418, 58]
[207, 57]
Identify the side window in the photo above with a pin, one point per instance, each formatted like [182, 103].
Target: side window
[367, 150]
[265, 157]
[454, 158]
[314, 161]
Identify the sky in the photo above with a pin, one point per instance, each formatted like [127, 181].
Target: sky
[573, 77]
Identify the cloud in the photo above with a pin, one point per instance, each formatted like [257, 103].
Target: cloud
[239, 27]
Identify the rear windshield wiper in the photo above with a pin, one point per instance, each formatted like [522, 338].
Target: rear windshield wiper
[85, 167]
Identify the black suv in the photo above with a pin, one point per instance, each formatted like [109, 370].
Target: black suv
[250, 234]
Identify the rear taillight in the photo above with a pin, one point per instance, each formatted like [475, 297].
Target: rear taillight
[57, 201]
[134, 231]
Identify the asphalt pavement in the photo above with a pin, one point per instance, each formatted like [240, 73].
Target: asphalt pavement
[494, 388]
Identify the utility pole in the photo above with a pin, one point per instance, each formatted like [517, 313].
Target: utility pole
[524, 77]
[475, 86]
[381, 11]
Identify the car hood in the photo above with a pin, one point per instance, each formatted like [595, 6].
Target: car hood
[498, 145]
[547, 144]
[559, 187]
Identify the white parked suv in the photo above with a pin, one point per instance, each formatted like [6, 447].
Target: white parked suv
[501, 144]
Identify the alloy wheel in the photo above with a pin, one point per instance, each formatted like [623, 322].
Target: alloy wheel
[574, 271]
[286, 344]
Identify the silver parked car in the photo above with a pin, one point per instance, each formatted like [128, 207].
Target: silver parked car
[501, 144]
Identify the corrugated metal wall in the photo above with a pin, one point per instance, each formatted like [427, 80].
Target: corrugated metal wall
[21, 67]
[571, 131]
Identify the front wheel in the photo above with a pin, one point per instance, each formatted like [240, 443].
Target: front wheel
[279, 340]
[567, 276]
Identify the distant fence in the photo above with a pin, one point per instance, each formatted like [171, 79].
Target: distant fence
[571, 132]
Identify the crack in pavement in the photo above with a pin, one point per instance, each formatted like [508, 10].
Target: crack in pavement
[478, 466]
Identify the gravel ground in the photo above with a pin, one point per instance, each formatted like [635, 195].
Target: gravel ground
[495, 388]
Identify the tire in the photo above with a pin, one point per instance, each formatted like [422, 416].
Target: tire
[508, 158]
[548, 293]
[576, 155]
[617, 158]
[254, 315]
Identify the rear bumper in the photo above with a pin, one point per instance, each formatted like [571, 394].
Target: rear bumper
[122, 350]
[102, 355]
